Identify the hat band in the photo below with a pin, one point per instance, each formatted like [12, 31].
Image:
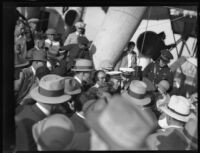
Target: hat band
[136, 95]
[193, 139]
[51, 93]
[83, 67]
[176, 112]
[164, 59]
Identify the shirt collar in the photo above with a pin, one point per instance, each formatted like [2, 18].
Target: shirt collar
[43, 109]
[37, 47]
[32, 68]
[78, 79]
[78, 34]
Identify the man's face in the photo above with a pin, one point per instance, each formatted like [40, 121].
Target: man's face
[33, 26]
[162, 63]
[101, 78]
[40, 43]
[51, 37]
[86, 76]
[96, 142]
[80, 30]
[116, 83]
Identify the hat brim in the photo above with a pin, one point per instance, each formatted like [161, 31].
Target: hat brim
[84, 70]
[176, 116]
[92, 119]
[48, 100]
[73, 92]
[136, 101]
[22, 65]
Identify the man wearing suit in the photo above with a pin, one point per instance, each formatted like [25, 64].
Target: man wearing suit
[73, 38]
[82, 77]
[28, 75]
[48, 95]
[128, 58]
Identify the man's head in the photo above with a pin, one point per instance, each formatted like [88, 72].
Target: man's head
[176, 112]
[83, 69]
[33, 23]
[165, 58]
[39, 41]
[80, 27]
[100, 77]
[51, 34]
[130, 46]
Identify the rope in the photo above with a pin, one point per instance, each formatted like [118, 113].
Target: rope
[145, 31]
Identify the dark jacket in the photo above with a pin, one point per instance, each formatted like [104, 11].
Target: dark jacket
[155, 73]
[24, 121]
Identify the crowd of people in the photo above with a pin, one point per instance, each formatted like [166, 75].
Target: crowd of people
[64, 103]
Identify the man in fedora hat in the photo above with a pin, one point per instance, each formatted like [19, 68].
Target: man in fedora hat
[115, 126]
[138, 96]
[74, 91]
[159, 70]
[33, 23]
[38, 60]
[73, 38]
[48, 96]
[82, 78]
[174, 117]
[57, 133]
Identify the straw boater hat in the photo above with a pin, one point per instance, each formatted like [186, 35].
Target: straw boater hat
[71, 87]
[50, 90]
[55, 132]
[178, 108]
[83, 65]
[163, 85]
[137, 93]
[117, 124]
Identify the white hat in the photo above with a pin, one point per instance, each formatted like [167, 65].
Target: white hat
[192, 60]
[137, 93]
[178, 108]
[50, 90]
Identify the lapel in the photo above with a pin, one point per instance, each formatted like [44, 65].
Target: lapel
[38, 112]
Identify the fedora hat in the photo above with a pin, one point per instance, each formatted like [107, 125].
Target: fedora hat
[117, 124]
[55, 132]
[163, 85]
[80, 25]
[166, 55]
[71, 87]
[20, 62]
[178, 108]
[39, 55]
[83, 65]
[137, 93]
[50, 90]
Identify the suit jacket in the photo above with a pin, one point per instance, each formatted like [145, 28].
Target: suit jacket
[73, 39]
[79, 123]
[27, 82]
[24, 121]
[170, 139]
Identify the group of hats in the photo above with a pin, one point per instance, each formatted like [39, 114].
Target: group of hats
[54, 89]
